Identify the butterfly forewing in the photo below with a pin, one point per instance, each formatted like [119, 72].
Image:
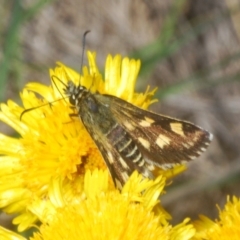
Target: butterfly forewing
[130, 138]
[161, 139]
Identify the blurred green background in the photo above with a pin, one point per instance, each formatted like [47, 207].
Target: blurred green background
[189, 49]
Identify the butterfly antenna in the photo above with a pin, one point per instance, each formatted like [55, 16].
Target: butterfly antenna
[58, 79]
[43, 105]
[49, 103]
[83, 47]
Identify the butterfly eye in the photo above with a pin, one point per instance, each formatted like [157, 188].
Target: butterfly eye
[72, 99]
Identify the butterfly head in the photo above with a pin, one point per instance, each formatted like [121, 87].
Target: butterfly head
[74, 92]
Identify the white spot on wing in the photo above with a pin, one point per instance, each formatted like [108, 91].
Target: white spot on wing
[118, 183]
[123, 163]
[147, 122]
[167, 166]
[124, 176]
[144, 123]
[177, 128]
[186, 145]
[162, 141]
[129, 126]
[144, 142]
[110, 158]
[150, 167]
[146, 173]
[191, 143]
[210, 136]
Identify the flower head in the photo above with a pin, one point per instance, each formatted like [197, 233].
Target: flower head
[227, 227]
[101, 212]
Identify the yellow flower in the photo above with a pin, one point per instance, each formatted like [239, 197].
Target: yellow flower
[54, 150]
[9, 235]
[105, 213]
[228, 227]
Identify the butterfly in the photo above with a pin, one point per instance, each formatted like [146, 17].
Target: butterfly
[130, 138]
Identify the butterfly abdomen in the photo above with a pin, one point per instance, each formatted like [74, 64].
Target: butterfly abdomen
[122, 141]
[127, 149]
